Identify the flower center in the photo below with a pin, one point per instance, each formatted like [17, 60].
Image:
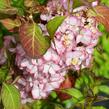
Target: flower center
[74, 61]
[66, 40]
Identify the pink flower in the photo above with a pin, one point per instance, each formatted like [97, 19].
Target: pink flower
[79, 58]
[68, 5]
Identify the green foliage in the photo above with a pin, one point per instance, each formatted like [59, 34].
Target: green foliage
[42, 2]
[105, 2]
[77, 3]
[101, 55]
[74, 93]
[84, 81]
[3, 73]
[98, 107]
[19, 4]
[10, 97]
[4, 4]
[44, 104]
[53, 25]
[104, 89]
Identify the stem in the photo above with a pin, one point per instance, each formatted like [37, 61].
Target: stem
[82, 106]
[89, 105]
[69, 6]
[17, 78]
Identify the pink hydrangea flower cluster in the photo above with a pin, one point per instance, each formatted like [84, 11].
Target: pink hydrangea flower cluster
[75, 39]
[71, 48]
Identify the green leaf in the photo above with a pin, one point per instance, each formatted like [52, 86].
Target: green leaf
[5, 9]
[74, 93]
[53, 25]
[37, 104]
[33, 41]
[68, 103]
[104, 89]
[4, 4]
[3, 73]
[19, 5]
[10, 97]
[77, 3]
[98, 107]
[10, 24]
[84, 81]
[101, 55]
[42, 2]
[105, 2]
[57, 106]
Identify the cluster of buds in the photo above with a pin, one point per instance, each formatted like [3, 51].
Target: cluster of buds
[72, 48]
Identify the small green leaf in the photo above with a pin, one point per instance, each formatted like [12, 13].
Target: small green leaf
[37, 104]
[33, 41]
[105, 2]
[74, 93]
[10, 24]
[53, 25]
[104, 89]
[6, 9]
[4, 4]
[77, 3]
[98, 107]
[3, 73]
[1, 38]
[19, 5]
[10, 97]
[42, 2]
[96, 90]
[84, 81]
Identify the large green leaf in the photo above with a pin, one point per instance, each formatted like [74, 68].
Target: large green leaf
[33, 41]
[53, 25]
[10, 97]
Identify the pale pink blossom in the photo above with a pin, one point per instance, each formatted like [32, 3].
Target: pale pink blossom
[72, 47]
